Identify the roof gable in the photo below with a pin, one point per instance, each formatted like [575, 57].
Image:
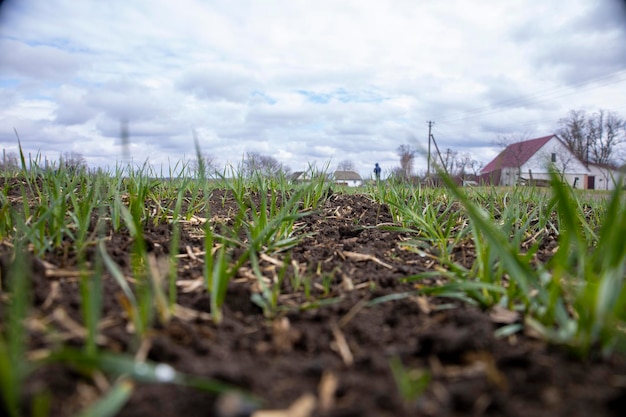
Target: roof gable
[516, 154]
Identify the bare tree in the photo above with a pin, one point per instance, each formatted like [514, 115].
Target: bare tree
[73, 161]
[346, 165]
[396, 174]
[573, 132]
[465, 164]
[255, 163]
[475, 166]
[407, 158]
[206, 165]
[449, 161]
[9, 162]
[608, 131]
[595, 138]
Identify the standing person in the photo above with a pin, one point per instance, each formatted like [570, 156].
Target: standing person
[377, 172]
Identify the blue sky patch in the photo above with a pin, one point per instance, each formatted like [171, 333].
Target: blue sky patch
[9, 82]
[343, 95]
[261, 95]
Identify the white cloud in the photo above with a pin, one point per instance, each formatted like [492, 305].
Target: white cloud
[223, 82]
[40, 62]
[302, 81]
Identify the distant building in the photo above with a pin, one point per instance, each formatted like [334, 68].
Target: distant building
[308, 176]
[530, 161]
[349, 178]
[299, 176]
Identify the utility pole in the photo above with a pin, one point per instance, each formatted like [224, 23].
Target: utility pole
[432, 138]
[430, 125]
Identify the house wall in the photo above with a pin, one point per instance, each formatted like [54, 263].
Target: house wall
[605, 178]
[491, 178]
[573, 170]
[509, 176]
[348, 178]
[349, 183]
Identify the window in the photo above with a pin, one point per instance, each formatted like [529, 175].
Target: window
[553, 158]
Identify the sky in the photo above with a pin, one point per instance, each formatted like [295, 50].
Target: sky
[308, 82]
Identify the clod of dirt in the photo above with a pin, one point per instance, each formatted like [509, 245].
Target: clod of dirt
[460, 332]
[34, 271]
[283, 335]
[233, 404]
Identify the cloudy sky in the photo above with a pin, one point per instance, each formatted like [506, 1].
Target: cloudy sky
[304, 81]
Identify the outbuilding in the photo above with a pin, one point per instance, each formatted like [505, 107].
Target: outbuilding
[530, 161]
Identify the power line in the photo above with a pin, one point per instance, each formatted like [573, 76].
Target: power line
[557, 92]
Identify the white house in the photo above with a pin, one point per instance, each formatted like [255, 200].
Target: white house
[603, 177]
[349, 178]
[531, 160]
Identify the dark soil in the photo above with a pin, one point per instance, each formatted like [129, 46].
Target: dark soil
[336, 355]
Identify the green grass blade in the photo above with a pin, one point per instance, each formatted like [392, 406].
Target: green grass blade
[112, 402]
[521, 272]
[117, 274]
[122, 365]
[9, 381]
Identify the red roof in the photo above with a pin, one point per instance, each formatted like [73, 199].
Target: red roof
[516, 154]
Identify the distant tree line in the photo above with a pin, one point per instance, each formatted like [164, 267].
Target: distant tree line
[346, 165]
[597, 138]
[252, 164]
[71, 161]
[457, 164]
[255, 163]
[9, 162]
